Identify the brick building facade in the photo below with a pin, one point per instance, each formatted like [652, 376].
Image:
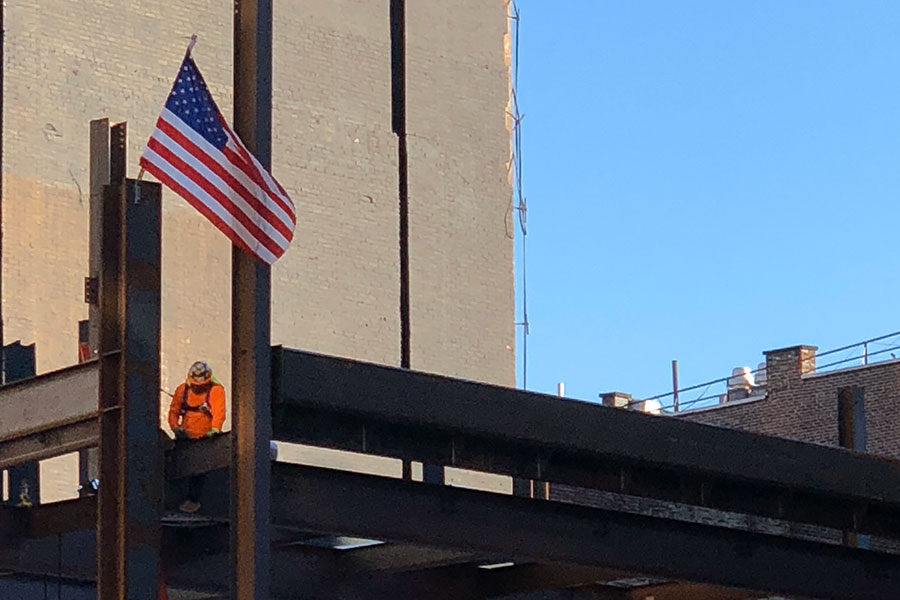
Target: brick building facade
[855, 407]
[336, 291]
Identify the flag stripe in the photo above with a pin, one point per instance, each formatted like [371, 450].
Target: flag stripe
[223, 179]
[202, 208]
[233, 167]
[212, 192]
[276, 192]
[253, 170]
[179, 185]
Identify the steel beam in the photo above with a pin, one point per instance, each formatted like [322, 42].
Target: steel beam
[471, 521]
[18, 524]
[131, 460]
[99, 178]
[394, 395]
[200, 456]
[678, 590]
[530, 577]
[396, 558]
[27, 436]
[375, 572]
[530, 582]
[141, 451]
[34, 404]
[251, 320]
[62, 437]
[110, 528]
[361, 407]
[53, 440]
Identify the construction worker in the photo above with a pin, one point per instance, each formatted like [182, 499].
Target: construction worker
[197, 411]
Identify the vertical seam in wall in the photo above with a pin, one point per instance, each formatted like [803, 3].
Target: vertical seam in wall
[398, 125]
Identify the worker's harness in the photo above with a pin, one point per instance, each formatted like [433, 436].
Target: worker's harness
[204, 407]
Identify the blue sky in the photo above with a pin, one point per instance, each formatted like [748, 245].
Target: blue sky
[705, 180]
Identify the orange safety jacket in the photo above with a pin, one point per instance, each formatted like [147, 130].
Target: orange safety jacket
[197, 410]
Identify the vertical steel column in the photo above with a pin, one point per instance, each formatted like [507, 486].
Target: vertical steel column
[142, 451]
[99, 179]
[111, 500]
[251, 410]
[131, 462]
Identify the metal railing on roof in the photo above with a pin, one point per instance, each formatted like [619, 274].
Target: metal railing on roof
[866, 352]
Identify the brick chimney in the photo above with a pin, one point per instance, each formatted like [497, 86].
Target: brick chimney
[786, 365]
[616, 399]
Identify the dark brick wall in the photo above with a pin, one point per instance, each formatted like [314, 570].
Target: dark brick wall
[803, 405]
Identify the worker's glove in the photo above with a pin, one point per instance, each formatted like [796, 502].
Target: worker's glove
[213, 431]
[180, 433]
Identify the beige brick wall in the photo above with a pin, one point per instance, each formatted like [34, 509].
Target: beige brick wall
[337, 289]
[460, 220]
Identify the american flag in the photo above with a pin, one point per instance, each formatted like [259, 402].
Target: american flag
[194, 152]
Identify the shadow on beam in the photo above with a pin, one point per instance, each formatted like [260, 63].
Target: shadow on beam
[471, 521]
[56, 439]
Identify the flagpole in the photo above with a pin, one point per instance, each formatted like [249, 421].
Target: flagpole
[191, 45]
[251, 320]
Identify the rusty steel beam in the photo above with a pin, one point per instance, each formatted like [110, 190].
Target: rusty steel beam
[53, 440]
[99, 178]
[251, 320]
[111, 497]
[140, 448]
[524, 528]
[63, 437]
[34, 404]
[200, 456]
[360, 407]
[130, 457]
[45, 416]
[110, 534]
[396, 396]
[373, 572]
